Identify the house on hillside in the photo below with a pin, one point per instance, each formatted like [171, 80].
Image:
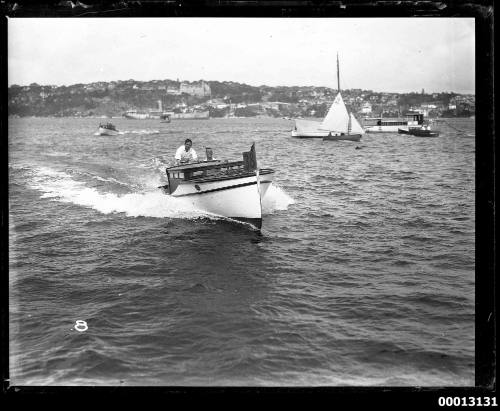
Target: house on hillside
[199, 89]
[366, 108]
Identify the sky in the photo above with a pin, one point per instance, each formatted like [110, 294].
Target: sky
[394, 55]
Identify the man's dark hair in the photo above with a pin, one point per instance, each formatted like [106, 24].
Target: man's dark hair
[188, 140]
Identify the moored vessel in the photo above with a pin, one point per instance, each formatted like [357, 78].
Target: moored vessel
[424, 131]
[393, 124]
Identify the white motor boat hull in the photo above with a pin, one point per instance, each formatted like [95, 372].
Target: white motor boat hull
[107, 132]
[236, 198]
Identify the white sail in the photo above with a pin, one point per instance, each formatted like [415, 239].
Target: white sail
[337, 117]
[355, 126]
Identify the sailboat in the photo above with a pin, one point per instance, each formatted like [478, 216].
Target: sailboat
[338, 123]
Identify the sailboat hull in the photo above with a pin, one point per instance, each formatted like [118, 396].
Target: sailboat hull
[309, 134]
[325, 135]
[350, 137]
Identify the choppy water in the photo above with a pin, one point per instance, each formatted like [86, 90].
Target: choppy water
[363, 273]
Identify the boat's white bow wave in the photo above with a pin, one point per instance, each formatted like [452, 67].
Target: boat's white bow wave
[151, 202]
[275, 199]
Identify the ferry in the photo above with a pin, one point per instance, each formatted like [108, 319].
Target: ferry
[231, 189]
[393, 125]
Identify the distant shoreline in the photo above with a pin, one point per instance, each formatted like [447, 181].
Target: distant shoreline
[10, 116]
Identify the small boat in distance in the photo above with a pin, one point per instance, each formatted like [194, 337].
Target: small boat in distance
[232, 189]
[165, 118]
[108, 129]
[338, 123]
[424, 131]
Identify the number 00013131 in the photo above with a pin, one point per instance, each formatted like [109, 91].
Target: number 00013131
[467, 401]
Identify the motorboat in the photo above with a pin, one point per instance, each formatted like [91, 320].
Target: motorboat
[108, 129]
[423, 131]
[231, 189]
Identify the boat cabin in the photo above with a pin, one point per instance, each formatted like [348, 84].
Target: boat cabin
[211, 170]
[407, 119]
[108, 126]
[415, 117]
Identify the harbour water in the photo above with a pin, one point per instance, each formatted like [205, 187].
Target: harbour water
[362, 275]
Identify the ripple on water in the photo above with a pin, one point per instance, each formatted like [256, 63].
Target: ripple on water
[363, 273]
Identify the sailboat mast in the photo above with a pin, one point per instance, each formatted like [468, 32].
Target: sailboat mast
[338, 74]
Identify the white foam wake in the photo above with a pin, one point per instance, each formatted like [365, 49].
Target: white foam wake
[59, 186]
[140, 132]
[275, 199]
[153, 202]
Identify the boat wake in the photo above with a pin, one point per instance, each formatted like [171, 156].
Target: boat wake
[146, 200]
[60, 186]
[142, 132]
[125, 132]
[102, 179]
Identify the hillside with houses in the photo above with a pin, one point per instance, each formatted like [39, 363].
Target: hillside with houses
[222, 99]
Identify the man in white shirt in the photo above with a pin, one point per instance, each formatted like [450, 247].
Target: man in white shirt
[185, 153]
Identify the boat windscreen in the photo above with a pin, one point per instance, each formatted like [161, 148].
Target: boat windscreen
[205, 166]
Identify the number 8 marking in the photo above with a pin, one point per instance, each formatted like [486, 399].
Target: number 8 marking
[81, 326]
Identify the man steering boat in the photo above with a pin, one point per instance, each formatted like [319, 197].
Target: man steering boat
[186, 153]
